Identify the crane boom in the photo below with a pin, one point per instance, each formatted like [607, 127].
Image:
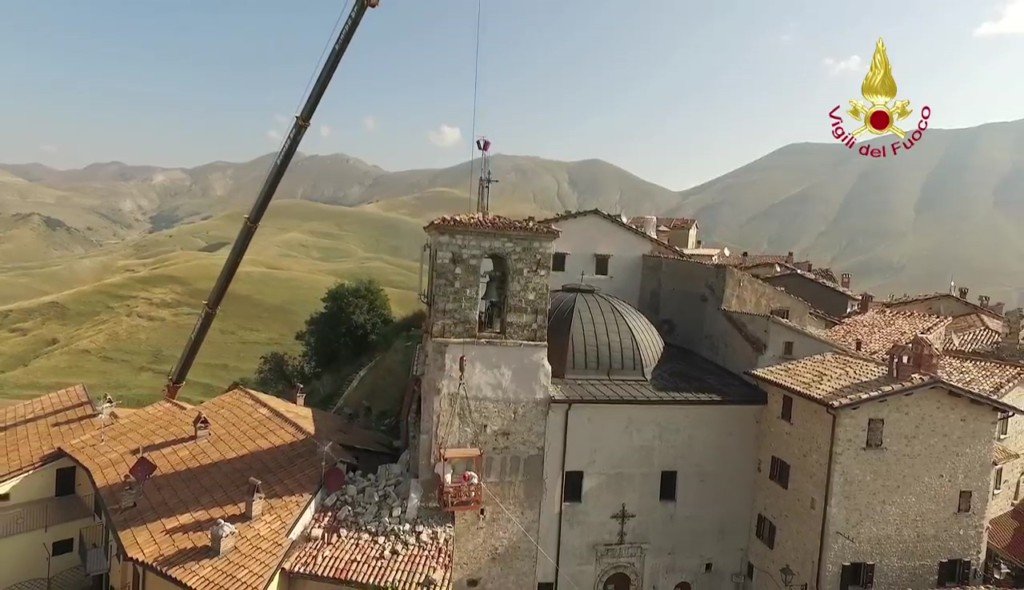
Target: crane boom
[176, 379]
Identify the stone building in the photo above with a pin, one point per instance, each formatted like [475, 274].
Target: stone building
[679, 232]
[485, 390]
[827, 297]
[872, 473]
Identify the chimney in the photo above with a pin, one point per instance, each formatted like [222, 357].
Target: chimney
[900, 367]
[865, 302]
[810, 267]
[923, 356]
[222, 537]
[300, 398]
[201, 424]
[128, 492]
[254, 501]
[983, 301]
[858, 345]
[844, 280]
[789, 258]
[744, 257]
[650, 225]
[963, 292]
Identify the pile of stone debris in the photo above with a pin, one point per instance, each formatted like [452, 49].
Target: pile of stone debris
[385, 507]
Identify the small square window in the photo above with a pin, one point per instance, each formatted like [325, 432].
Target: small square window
[572, 490]
[781, 312]
[997, 485]
[779, 472]
[668, 486]
[787, 348]
[875, 427]
[708, 567]
[62, 547]
[964, 505]
[787, 408]
[601, 264]
[558, 261]
[1004, 425]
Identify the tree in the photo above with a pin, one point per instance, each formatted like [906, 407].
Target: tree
[353, 320]
[278, 373]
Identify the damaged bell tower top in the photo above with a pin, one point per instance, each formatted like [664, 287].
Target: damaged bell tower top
[485, 389]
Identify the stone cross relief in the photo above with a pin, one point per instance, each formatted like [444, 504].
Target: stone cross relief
[622, 516]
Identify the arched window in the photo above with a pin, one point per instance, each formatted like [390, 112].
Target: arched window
[493, 289]
[683, 586]
[618, 581]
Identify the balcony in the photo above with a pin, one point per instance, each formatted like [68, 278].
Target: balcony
[42, 514]
[93, 550]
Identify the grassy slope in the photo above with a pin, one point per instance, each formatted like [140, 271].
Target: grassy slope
[116, 319]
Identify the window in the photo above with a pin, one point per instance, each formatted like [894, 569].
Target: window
[781, 312]
[965, 502]
[875, 426]
[787, 408]
[64, 483]
[97, 508]
[62, 547]
[5, 497]
[136, 578]
[779, 472]
[545, 586]
[558, 261]
[708, 567]
[493, 282]
[857, 575]
[572, 490]
[667, 493]
[750, 571]
[997, 485]
[1016, 492]
[1004, 425]
[787, 348]
[601, 264]
[766, 531]
[954, 572]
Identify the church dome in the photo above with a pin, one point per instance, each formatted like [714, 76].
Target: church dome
[596, 336]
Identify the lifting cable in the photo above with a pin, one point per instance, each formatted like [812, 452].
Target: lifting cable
[476, 85]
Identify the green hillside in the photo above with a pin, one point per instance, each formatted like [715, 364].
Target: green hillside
[117, 318]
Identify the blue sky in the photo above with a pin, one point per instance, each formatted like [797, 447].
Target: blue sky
[675, 91]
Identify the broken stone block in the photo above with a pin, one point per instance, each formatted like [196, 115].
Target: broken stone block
[396, 512]
[350, 490]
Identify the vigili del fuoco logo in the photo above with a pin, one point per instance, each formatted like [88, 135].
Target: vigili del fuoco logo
[882, 114]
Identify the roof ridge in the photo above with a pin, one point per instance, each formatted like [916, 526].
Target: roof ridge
[255, 396]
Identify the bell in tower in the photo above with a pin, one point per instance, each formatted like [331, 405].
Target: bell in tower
[492, 302]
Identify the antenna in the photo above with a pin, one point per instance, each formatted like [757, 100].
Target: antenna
[483, 191]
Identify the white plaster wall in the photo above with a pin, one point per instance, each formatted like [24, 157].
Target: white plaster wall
[622, 450]
[583, 237]
[897, 506]
[803, 345]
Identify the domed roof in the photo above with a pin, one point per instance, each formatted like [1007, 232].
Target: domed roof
[593, 335]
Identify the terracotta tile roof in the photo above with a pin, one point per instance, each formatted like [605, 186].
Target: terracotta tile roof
[974, 332]
[1002, 454]
[735, 259]
[990, 377]
[879, 329]
[825, 274]
[835, 379]
[810, 276]
[356, 558]
[492, 223]
[927, 296]
[32, 430]
[198, 482]
[666, 249]
[669, 223]
[1006, 535]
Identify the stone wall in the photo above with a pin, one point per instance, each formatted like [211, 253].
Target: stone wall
[454, 283]
[1013, 471]
[501, 409]
[896, 506]
[797, 512]
[824, 298]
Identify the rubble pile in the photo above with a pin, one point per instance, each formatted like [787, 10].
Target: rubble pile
[384, 508]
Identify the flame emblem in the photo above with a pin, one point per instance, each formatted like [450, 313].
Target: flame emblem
[879, 88]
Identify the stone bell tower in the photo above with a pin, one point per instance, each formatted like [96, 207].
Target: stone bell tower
[485, 390]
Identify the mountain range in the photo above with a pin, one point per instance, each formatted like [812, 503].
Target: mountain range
[79, 246]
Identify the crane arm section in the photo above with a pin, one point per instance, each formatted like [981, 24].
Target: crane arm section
[177, 377]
